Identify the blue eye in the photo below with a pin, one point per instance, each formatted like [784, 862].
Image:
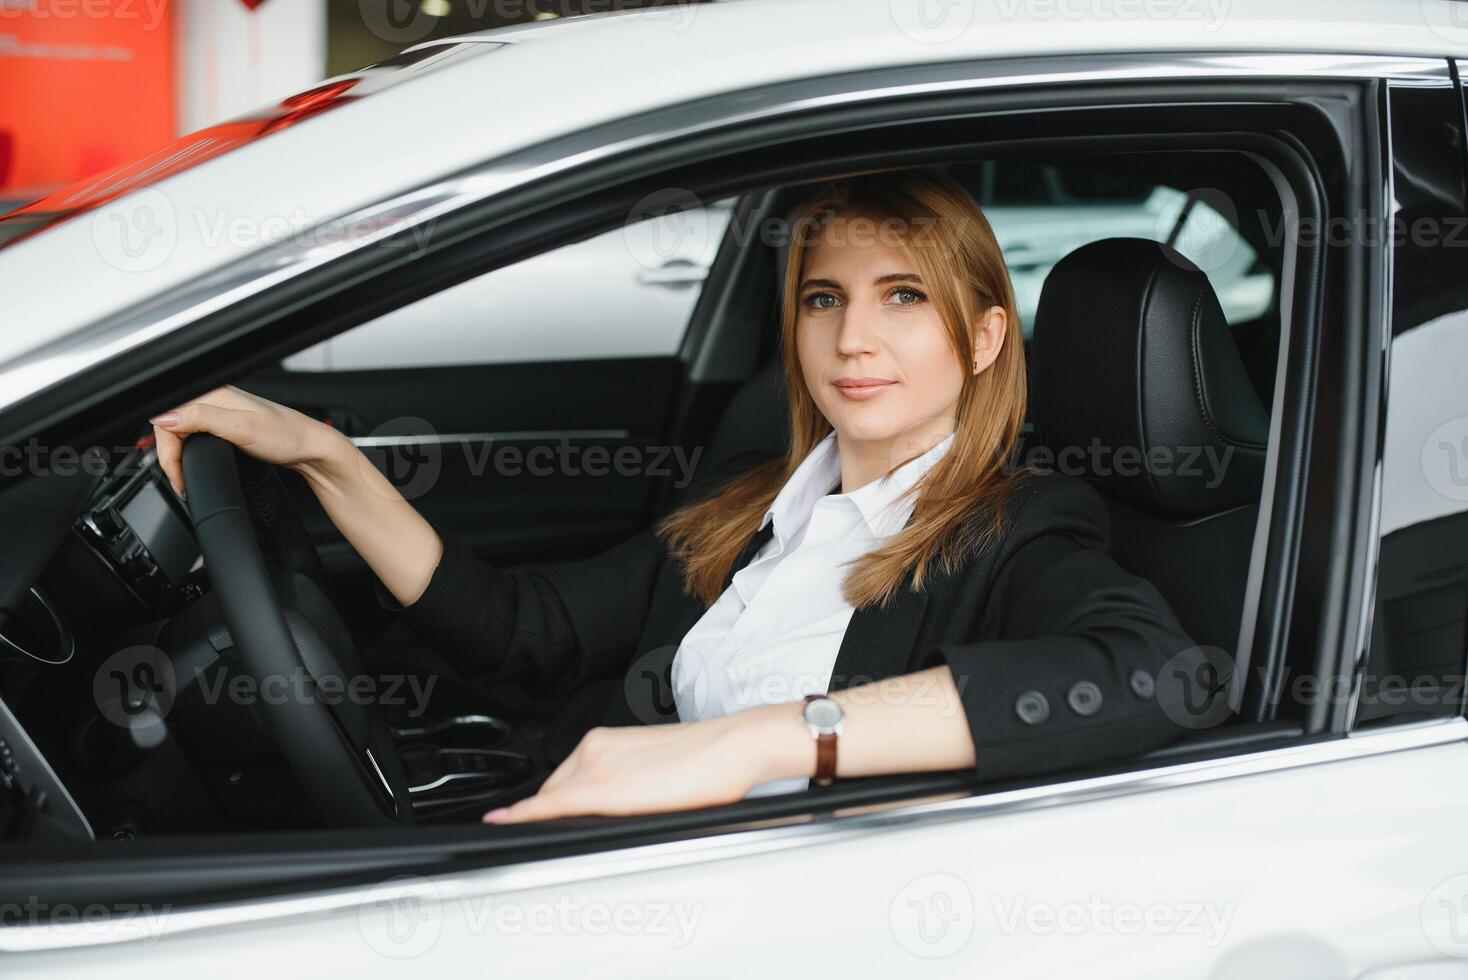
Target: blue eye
[815, 301]
[916, 295]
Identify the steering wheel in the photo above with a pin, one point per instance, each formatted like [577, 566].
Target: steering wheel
[339, 748]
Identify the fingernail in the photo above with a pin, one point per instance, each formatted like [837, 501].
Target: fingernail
[494, 815]
[167, 420]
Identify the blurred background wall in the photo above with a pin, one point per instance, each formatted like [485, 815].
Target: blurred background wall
[87, 85]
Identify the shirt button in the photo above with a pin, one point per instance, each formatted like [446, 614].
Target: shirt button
[1032, 707]
[1142, 684]
[1084, 698]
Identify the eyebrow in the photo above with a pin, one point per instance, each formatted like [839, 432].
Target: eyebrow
[879, 281]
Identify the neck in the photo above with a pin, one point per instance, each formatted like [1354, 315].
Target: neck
[863, 461]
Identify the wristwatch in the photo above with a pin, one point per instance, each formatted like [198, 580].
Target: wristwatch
[824, 718]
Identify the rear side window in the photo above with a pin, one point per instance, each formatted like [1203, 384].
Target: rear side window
[1043, 210]
[1415, 661]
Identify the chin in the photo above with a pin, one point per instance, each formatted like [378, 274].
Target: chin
[865, 426]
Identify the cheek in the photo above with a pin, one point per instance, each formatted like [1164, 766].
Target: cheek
[814, 350]
[929, 362]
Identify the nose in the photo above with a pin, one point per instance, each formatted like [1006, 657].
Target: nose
[858, 333]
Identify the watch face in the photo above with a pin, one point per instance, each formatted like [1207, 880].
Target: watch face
[823, 714]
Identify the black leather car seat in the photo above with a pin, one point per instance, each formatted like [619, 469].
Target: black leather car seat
[1138, 387]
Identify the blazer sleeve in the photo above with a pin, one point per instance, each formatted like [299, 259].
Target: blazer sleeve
[1070, 676]
[547, 629]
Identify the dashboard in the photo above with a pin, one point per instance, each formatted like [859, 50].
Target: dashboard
[118, 553]
[105, 560]
[97, 553]
[138, 528]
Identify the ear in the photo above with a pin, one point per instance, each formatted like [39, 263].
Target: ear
[988, 337]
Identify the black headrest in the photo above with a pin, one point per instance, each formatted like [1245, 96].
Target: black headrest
[1138, 384]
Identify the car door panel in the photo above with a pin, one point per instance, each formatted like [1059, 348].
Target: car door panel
[483, 451]
[1263, 866]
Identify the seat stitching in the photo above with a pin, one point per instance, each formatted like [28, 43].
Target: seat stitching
[1198, 373]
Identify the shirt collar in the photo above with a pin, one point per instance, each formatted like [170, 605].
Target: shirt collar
[812, 480]
[878, 502]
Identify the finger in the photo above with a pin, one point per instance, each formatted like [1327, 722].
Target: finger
[541, 806]
[226, 423]
[169, 447]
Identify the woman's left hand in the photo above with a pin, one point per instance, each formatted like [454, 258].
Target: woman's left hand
[656, 768]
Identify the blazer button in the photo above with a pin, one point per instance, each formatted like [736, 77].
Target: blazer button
[1142, 684]
[1032, 707]
[1084, 698]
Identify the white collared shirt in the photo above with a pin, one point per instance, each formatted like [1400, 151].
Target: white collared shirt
[773, 635]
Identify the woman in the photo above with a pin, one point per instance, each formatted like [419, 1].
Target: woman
[959, 612]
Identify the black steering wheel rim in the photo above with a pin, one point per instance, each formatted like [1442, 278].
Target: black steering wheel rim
[347, 785]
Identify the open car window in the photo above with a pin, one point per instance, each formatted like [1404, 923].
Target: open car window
[1041, 210]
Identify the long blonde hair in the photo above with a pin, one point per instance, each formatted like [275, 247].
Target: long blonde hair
[959, 505]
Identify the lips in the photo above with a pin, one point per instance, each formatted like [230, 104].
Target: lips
[859, 388]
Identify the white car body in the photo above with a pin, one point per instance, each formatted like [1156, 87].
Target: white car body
[642, 60]
[1341, 858]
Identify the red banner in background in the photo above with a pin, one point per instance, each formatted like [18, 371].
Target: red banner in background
[88, 84]
[175, 157]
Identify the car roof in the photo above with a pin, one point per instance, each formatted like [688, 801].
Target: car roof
[498, 91]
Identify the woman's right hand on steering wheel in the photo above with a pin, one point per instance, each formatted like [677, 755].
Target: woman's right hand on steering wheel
[398, 545]
[258, 427]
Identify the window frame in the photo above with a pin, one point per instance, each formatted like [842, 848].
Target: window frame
[1393, 140]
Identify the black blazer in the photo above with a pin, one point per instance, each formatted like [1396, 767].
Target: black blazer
[1054, 648]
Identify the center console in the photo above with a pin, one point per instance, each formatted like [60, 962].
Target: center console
[464, 760]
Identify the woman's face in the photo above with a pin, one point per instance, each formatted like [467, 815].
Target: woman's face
[873, 351]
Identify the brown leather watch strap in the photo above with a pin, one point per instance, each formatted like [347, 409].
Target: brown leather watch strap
[825, 753]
